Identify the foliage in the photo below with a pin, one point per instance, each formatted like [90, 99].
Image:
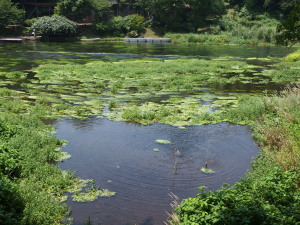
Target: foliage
[293, 56]
[135, 23]
[120, 26]
[180, 15]
[10, 13]
[11, 205]
[268, 199]
[270, 193]
[81, 9]
[26, 177]
[55, 26]
[289, 30]
[237, 28]
[275, 7]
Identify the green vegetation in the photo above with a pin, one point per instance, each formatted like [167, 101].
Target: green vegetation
[10, 13]
[140, 91]
[147, 91]
[233, 28]
[55, 28]
[270, 192]
[269, 195]
[180, 15]
[32, 186]
[207, 171]
[79, 10]
[132, 26]
[27, 180]
[206, 21]
[289, 30]
[160, 141]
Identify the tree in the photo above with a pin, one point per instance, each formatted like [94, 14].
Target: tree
[289, 30]
[79, 9]
[10, 13]
[181, 15]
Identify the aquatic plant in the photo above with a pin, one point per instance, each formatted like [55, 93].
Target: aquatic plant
[112, 104]
[160, 141]
[207, 171]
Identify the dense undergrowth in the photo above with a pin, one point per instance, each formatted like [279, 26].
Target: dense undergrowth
[234, 28]
[32, 185]
[147, 91]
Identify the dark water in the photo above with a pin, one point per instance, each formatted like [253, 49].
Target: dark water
[120, 157]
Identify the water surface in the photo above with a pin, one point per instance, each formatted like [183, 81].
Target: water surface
[22, 56]
[120, 157]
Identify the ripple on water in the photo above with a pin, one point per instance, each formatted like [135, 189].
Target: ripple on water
[120, 157]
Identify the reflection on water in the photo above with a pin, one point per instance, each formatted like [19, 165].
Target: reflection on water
[120, 157]
[28, 55]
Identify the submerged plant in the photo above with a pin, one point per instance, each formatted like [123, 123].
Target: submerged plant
[91, 192]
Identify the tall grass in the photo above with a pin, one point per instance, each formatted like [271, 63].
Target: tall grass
[233, 29]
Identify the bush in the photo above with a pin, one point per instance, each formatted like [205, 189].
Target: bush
[135, 22]
[268, 196]
[293, 56]
[55, 28]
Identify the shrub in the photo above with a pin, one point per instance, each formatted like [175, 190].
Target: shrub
[293, 56]
[134, 22]
[267, 196]
[55, 28]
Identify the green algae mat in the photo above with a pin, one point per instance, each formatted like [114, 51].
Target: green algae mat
[177, 92]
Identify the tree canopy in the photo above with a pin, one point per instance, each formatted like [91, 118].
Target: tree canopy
[289, 30]
[79, 9]
[10, 13]
[181, 15]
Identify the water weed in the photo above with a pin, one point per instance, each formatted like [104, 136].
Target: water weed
[161, 141]
[207, 171]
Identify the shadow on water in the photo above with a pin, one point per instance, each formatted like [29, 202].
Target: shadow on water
[120, 156]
